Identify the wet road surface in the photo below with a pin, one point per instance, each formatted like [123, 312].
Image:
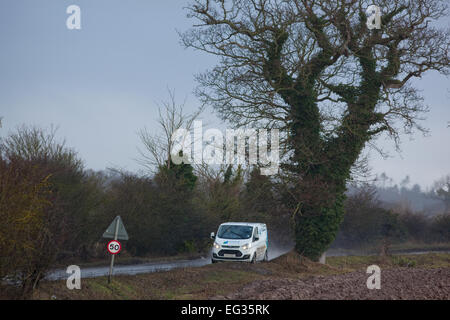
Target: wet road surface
[93, 272]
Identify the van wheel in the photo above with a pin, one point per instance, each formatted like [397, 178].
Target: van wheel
[266, 256]
[213, 261]
[253, 259]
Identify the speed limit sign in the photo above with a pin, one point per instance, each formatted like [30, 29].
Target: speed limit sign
[114, 247]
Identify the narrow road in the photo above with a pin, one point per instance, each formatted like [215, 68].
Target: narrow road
[94, 272]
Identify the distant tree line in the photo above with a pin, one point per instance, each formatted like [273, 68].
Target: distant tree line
[432, 200]
[370, 222]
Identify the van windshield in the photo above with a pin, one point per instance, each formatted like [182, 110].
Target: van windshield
[235, 232]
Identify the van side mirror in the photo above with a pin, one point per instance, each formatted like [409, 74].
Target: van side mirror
[255, 239]
[213, 235]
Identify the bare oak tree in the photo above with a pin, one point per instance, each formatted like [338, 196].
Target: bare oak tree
[314, 69]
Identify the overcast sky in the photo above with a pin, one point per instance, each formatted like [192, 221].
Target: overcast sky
[101, 84]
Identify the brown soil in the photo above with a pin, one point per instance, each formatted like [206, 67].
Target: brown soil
[396, 284]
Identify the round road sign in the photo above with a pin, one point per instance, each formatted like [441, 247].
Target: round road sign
[114, 247]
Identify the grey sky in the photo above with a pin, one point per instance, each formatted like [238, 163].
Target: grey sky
[100, 85]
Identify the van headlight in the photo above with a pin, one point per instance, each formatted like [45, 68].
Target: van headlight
[216, 245]
[246, 246]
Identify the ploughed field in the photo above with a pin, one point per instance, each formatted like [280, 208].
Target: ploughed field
[396, 284]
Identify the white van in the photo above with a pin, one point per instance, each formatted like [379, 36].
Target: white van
[240, 241]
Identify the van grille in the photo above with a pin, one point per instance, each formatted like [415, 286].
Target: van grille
[235, 252]
[231, 247]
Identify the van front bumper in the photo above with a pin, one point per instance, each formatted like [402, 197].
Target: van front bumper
[245, 257]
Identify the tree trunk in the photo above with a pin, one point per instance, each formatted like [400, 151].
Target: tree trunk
[316, 228]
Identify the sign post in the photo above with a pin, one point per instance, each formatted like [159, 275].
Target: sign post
[116, 231]
[113, 255]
